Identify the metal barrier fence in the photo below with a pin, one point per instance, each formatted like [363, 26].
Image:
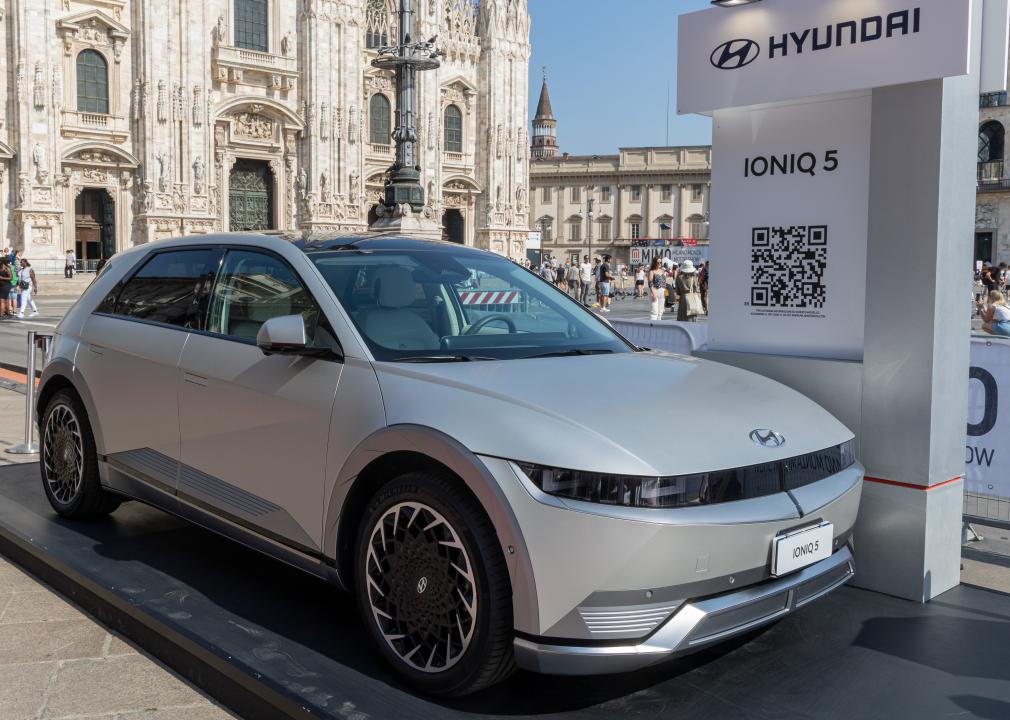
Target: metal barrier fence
[57, 266]
[980, 509]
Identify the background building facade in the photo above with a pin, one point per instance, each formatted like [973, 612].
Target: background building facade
[992, 206]
[131, 121]
[640, 193]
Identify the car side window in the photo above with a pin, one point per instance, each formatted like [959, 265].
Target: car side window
[170, 288]
[254, 287]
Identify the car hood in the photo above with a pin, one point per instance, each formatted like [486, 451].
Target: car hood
[643, 413]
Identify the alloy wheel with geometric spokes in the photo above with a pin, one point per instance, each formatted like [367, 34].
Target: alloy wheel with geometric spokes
[63, 453]
[421, 587]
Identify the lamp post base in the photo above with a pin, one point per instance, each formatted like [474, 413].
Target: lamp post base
[402, 219]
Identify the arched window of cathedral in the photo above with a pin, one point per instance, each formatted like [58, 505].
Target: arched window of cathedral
[251, 25]
[453, 129]
[378, 120]
[92, 82]
[379, 31]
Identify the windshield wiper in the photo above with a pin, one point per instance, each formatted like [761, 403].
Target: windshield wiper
[567, 353]
[443, 358]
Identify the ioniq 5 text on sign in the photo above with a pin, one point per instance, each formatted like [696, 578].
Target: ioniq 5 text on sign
[381, 412]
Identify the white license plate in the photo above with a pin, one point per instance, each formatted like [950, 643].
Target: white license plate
[801, 548]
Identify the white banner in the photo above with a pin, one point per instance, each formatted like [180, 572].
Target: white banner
[987, 449]
[786, 49]
[789, 225]
[644, 255]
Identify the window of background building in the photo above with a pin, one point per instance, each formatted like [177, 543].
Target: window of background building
[697, 192]
[605, 193]
[666, 193]
[575, 231]
[665, 232]
[604, 230]
[251, 25]
[696, 226]
[378, 120]
[546, 194]
[547, 232]
[636, 230]
[92, 82]
[636, 193]
[576, 194]
[453, 129]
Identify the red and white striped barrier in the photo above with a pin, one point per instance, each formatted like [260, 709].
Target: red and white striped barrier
[488, 297]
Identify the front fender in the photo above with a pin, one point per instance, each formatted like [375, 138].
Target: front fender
[445, 450]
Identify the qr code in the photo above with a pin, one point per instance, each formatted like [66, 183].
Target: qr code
[787, 266]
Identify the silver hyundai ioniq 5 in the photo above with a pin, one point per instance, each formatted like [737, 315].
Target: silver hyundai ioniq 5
[458, 443]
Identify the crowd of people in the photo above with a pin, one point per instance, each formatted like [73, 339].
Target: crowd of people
[18, 286]
[664, 282]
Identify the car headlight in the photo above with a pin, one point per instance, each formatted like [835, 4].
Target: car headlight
[686, 490]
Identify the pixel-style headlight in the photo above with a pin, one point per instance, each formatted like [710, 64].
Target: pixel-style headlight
[687, 490]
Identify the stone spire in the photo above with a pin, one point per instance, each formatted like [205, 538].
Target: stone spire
[545, 127]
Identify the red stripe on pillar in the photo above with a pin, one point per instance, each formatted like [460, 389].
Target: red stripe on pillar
[912, 486]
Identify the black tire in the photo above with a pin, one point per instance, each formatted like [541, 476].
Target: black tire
[422, 612]
[68, 461]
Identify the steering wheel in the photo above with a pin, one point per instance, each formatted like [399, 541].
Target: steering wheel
[479, 325]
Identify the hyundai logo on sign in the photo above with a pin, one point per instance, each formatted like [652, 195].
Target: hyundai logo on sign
[735, 54]
[767, 438]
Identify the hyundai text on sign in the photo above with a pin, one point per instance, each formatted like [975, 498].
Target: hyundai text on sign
[785, 49]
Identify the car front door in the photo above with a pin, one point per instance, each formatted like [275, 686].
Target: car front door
[255, 427]
[129, 359]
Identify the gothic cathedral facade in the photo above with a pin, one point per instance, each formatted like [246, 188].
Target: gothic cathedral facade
[131, 121]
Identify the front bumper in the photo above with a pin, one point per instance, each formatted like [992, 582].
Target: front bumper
[695, 624]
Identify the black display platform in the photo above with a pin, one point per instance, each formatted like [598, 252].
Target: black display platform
[269, 642]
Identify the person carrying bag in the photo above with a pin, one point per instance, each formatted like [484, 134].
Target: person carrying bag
[689, 289]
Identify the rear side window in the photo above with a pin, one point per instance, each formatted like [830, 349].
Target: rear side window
[171, 288]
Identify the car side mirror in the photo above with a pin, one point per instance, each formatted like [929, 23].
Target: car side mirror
[283, 335]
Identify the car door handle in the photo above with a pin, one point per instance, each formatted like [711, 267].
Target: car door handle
[194, 379]
[96, 349]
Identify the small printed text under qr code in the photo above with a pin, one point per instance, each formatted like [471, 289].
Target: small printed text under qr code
[788, 265]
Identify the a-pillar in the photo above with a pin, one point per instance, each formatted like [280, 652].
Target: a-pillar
[915, 364]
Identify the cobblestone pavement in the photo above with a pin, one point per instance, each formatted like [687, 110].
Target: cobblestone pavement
[57, 662]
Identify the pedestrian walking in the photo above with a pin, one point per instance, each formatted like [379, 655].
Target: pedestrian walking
[70, 266]
[689, 289]
[561, 278]
[606, 283]
[27, 286]
[640, 281]
[585, 279]
[6, 278]
[657, 289]
[703, 281]
[574, 275]
[996, 317]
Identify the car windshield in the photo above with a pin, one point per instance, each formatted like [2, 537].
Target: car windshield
[437, 306]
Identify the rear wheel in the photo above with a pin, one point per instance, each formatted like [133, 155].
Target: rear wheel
[69, 462]
[433, 586]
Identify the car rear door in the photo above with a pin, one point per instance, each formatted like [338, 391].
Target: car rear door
[129, 357]
[255, 427]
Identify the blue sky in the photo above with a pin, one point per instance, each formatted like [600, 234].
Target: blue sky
[607, 67]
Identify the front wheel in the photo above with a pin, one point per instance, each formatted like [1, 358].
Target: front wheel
[69, 462]
[433, 587]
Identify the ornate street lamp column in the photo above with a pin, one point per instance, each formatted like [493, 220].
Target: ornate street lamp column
[403, 185]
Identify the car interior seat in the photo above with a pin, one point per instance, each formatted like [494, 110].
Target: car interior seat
[391, 323]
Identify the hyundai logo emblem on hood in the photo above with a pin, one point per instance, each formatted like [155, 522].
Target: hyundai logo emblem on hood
[735, 54]
[767, 438]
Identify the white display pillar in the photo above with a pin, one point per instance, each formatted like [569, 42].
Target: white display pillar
[917, 336]
[897, 372]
